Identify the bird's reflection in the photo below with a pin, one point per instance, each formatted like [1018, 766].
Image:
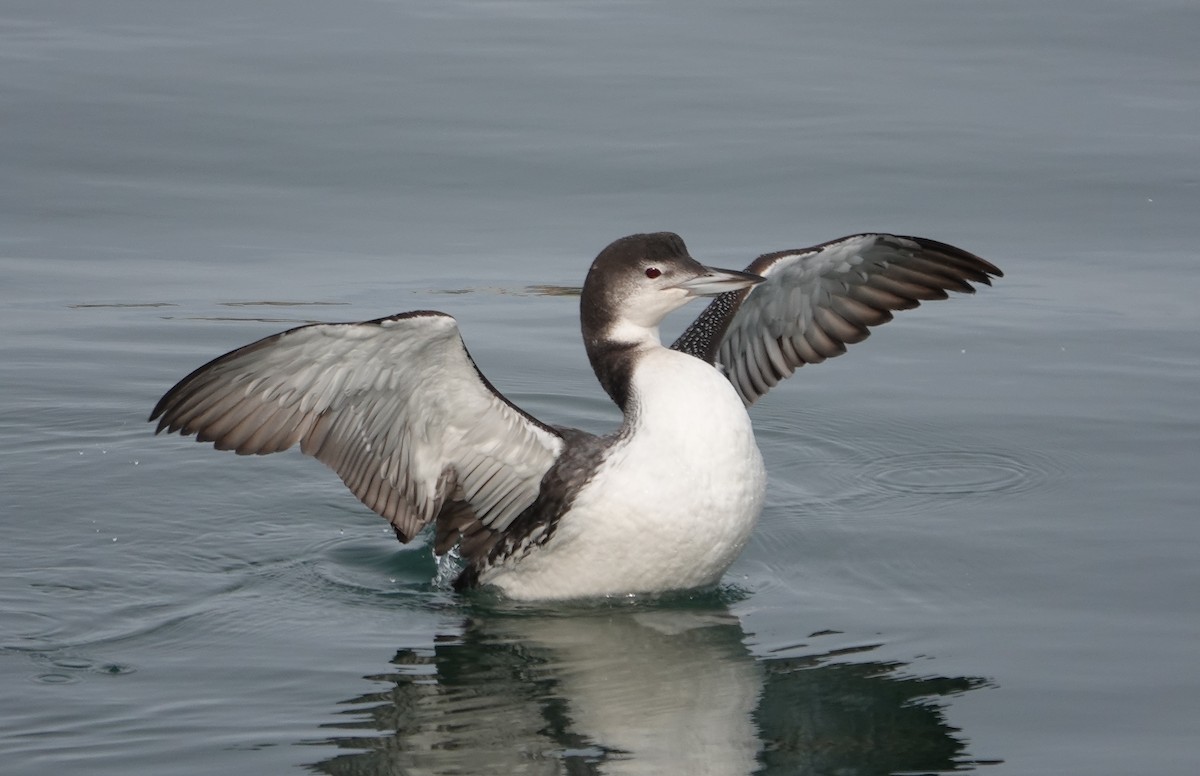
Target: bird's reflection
[638, 690]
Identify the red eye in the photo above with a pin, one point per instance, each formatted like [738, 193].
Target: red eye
[653, 272]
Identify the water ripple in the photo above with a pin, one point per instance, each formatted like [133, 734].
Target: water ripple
[848, 464]
[954, 472]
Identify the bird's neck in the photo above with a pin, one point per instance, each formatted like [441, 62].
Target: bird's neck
[613, 351]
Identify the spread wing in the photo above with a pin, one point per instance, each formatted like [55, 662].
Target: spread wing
[817, 300]
[395, 406]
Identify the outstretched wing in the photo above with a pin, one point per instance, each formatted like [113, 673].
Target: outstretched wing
[817, 300]
[395, 406]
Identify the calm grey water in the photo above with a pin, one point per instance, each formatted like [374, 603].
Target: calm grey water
[979, 549]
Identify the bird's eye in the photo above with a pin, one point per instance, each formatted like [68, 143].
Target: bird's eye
[653, 272]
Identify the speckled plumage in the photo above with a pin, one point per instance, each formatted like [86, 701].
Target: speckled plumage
[817, 300]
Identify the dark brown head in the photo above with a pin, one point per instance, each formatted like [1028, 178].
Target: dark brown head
[631, 286]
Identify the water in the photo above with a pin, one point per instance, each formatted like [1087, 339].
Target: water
[978, 550]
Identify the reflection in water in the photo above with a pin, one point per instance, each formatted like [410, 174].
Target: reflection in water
[642, 691]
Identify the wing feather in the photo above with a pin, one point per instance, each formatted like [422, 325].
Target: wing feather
[818, 300]
[776, 357]
[395, 406]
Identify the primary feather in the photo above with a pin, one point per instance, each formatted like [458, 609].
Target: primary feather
[816, 301]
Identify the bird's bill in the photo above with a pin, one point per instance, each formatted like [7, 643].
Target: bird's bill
[717, 281]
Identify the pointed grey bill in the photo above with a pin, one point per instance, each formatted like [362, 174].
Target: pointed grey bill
[717, 281]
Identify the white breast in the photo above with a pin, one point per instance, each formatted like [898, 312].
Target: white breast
[672, 504]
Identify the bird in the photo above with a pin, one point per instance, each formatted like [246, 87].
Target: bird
[666, 502]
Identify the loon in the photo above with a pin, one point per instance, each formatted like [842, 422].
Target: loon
[397, 407]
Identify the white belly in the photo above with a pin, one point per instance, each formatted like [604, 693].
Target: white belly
[671, 506]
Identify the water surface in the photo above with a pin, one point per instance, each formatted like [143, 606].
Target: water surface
[978, 550]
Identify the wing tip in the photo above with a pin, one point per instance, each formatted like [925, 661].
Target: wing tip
[987, 269]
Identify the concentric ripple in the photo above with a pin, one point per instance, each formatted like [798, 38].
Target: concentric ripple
[955, 472]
